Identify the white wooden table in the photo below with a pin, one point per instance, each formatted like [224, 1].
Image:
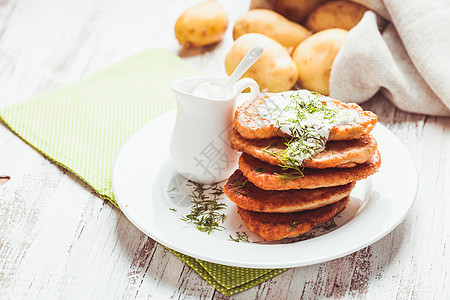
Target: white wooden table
[59, 240]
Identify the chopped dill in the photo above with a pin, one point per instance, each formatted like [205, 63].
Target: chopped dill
[216, 190]
[171, 190]
[289, 176]
[173, 209]
[240, 237]
[307, 120]
[266, 150]
[205, 208]
[293, 226]
[238, 186]
[259, 170]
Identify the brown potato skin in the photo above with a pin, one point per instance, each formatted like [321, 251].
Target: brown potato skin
[335, 14]
[314, 58]
[271, 24]
[269, 4]
[297, 10]
[201, 25]
[275, 71]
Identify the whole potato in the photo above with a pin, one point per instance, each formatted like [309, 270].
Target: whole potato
[296, 10]
[273, 25]
[314, 58]
[275, 71]
[201, 25]
[262, 4]
[335, 14]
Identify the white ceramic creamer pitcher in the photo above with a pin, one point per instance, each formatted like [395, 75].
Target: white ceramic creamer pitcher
[199, 147]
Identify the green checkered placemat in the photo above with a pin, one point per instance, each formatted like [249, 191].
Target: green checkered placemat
[83, 125]
[228, 280]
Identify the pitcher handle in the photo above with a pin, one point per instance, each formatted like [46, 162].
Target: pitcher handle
[245, 83]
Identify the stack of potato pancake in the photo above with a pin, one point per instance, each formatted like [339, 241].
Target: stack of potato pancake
[276, 202]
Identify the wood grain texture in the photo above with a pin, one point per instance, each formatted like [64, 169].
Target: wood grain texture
[59, 240]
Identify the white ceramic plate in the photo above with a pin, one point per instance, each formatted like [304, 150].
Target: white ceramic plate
[153, 197]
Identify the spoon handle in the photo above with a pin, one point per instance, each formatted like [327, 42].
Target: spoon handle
[249, 59]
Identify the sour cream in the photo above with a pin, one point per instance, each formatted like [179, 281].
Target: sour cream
[209, 90]
[302, 115]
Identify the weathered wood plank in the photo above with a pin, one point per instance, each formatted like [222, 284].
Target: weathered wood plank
[59, 240]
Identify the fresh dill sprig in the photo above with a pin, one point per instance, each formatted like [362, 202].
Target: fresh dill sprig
[289, 176]
[270, 152]
[307, 117]
[171, 190]
[238, 186]
[217, 190]
[205, 211]
[241, 236]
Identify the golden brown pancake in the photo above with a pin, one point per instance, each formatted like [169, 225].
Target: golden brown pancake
[251, 125]
[247, 196]
[337, 154]
[277, 226]
[270, 177]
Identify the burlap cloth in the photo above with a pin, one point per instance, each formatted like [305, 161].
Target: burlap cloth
[402, 51]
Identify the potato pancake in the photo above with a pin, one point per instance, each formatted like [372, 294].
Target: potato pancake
[247, 196]
[277, 226]
[251, 125]
[270, 177]
[337, 154]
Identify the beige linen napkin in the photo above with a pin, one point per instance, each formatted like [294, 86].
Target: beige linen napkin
[407, 60]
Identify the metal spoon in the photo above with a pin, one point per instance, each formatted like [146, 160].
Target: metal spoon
[249, 59]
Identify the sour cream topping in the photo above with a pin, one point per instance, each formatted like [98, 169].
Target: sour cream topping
[302, 115]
